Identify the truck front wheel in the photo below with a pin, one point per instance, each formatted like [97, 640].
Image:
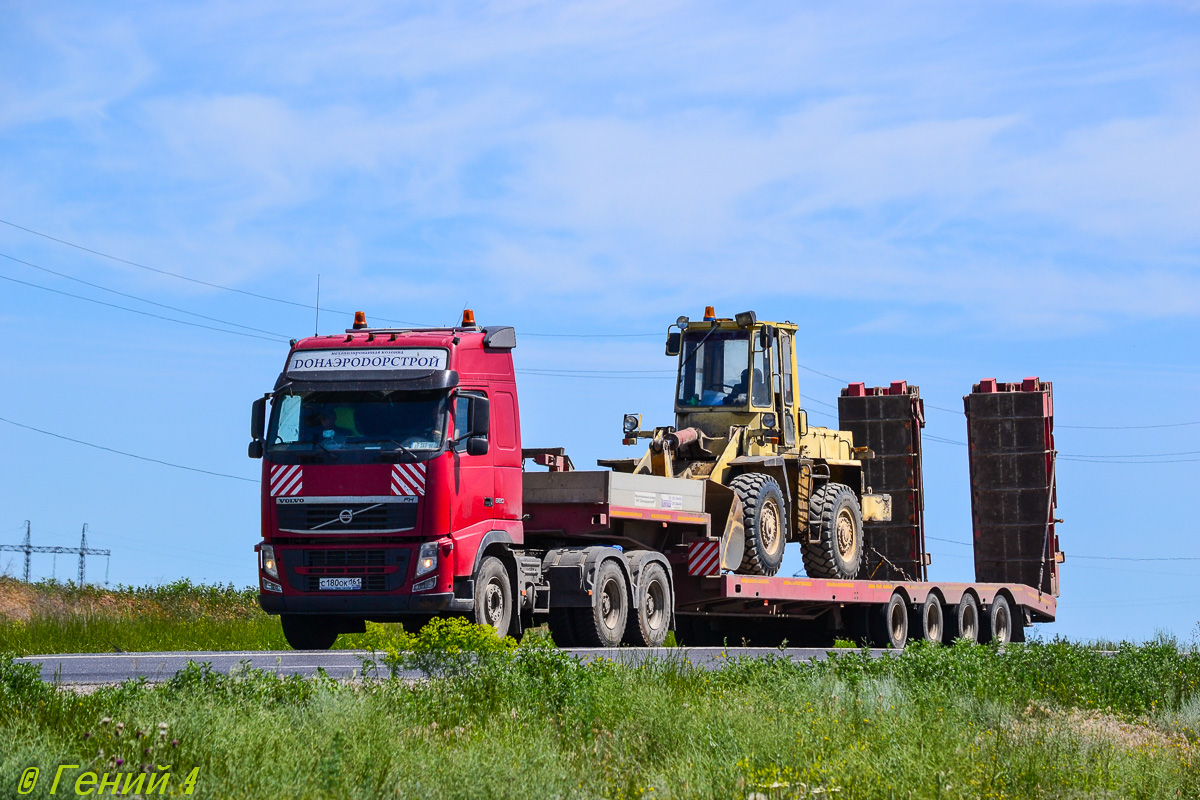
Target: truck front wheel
[308, 632]
[764, 523]
[493, 596]
[834, 548]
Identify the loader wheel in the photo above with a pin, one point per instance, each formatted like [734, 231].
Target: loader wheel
[764, 522]
[834, 547]
[603, 623]
[493, 596]
[308, 632]
[648, 625]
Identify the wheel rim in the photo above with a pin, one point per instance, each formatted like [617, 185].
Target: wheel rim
[847, 542]
[610, 604]
[896, 623]
[969, 624]
[493, 603]
[655, 605]
[1002, 624]
[933, 624]
[769, 527]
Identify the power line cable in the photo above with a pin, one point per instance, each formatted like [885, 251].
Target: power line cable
[128, 455]
[139, 311]
[139, 299]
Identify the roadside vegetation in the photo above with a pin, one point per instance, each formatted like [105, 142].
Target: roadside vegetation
[491, 718]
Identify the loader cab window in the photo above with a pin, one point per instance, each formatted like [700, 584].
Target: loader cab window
[715, 369]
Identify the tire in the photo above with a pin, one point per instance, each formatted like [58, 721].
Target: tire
[889, 623]
[764, 522]
[835, 523]
[603, 623]
[493, 596]
[648, 625]
[928, 622]
[308, 632]
[964, 622]
[999, 621]
[562, 627]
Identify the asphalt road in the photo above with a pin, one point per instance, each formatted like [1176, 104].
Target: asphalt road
[96, 669]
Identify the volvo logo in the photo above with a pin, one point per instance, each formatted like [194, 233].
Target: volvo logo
[345, 516]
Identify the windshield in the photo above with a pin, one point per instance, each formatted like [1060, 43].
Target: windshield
[714, 368]
[410, 424]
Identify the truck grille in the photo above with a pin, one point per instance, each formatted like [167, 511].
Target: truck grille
[327, 517]
[381, 569]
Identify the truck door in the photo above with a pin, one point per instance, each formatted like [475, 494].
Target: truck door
[506, 446]
[474, 482]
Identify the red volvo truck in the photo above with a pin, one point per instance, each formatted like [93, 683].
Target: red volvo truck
[394, 489]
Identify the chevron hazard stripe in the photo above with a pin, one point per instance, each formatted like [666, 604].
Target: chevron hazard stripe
[704, 558]
[286, 480]
[408, 479]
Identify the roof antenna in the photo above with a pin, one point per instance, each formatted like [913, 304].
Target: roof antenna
[317, 323]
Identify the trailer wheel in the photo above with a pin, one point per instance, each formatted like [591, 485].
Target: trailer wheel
[603, 623]
[308, 632]
[562, 628]
[834, 548]
[928, 620]
[965, 620]
[648, 626]
[764, 522]
[999, 621]
[889, 623]
[493, 596]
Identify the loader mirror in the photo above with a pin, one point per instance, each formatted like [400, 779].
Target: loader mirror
[258, 418]
[765, 333]
[674, 341]
[480, 420]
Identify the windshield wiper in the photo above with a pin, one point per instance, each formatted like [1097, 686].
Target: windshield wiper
[406, 450]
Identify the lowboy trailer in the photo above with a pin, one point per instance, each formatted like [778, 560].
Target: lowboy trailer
[395, 489]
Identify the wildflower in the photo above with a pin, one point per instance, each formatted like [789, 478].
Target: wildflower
[120, 727]
[87, 735]
[162, 726]
[106, 720]
[174, 743]
[120, 762]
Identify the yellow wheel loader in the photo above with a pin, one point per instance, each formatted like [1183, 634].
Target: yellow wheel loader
[770, 478]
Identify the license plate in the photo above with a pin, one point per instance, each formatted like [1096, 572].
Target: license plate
[341, 583]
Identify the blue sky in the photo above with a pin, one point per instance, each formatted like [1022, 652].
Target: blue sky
[938, 192]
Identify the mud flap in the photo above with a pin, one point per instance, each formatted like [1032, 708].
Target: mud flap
[725, 509]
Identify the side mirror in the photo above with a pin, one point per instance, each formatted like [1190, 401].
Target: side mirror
[258, 419]
[477, 446]
[674, 343]
[481, 422]
[256, 449]
[765, 334]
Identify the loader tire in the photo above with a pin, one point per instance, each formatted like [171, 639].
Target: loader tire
[834, 546]
[602, 624]
[764, 522]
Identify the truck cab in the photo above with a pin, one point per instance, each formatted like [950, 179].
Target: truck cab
[391, 466]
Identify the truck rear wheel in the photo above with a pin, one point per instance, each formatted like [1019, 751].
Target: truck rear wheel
[308, 632]
[889, 623]
[999, 621]
[834, 548]
[603, 623]
[493, 596]
[648, 625]
[964, 622]
[928, 620]
[764, 523]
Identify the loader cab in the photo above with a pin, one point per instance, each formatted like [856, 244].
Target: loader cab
[736, 372]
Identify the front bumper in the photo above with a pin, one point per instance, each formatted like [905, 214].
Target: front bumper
[369, 606]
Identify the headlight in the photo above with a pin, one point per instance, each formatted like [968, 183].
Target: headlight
[768, 421]
[425, 585]
[632, 423]
[267, 559]
[427, 558]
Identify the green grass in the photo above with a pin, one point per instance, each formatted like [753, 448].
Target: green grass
[494, 719]
[49, 617]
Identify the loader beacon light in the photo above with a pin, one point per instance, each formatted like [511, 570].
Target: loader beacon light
[710, 314]
[427, 558]
[268, 561]
[468, 318]
[360, 320]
